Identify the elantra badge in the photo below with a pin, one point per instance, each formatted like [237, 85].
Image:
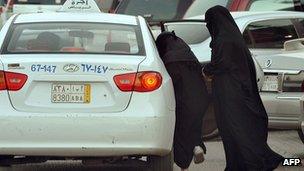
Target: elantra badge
[70, 68]
[268, 63]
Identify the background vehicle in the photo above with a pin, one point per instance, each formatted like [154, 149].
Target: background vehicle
[281, 90]
[158, 10]
[301, 128]
[68, 89]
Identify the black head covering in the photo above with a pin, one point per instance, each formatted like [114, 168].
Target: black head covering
[51, 40]
[221, 24]
[173, 49]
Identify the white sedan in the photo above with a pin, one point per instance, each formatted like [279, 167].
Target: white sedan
[282, 91]
[84, 85]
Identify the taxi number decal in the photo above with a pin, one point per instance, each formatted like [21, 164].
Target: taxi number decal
[94, 68]
[43, 68]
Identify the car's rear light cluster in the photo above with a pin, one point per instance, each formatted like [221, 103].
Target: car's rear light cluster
[141, 82]
[293, 83]
[12, 81]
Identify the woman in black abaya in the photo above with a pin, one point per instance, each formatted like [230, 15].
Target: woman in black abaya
[241, 117]
[191, 98]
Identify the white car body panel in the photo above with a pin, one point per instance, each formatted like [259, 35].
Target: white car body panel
[34, 127]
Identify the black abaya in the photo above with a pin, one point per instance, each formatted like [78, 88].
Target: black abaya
[241, 117]
[190, 93]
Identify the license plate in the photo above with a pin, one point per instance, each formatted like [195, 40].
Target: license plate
[271, 83]
[71, 93]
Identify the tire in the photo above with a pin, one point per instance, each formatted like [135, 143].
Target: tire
[301, 135]
[162, 163]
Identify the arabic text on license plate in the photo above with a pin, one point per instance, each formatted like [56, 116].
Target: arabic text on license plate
[271, 83]
[71, 93]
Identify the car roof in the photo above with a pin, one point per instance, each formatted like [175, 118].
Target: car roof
[76, 17]
[264, 14]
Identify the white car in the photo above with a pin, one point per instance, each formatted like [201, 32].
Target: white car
[70, 88]
[265, 34]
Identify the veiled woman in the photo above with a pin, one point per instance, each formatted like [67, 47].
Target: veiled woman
[191, 97]
[241, 116]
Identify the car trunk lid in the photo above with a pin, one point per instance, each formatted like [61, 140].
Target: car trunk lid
[70, 82]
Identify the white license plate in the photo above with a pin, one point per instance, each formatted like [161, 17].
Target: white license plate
[71, 93]
[271, 83]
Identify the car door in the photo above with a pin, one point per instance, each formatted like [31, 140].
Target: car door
[195, 33]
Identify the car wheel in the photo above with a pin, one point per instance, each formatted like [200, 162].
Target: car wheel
[301, 135]
[162, 163]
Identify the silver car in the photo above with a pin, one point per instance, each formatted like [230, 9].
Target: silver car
[301, 125]
[265, 34]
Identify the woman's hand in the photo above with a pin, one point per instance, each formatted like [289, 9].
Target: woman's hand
[206, 77]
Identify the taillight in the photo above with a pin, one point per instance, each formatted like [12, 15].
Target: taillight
[140, 82]
[2, 81]
[12, 81]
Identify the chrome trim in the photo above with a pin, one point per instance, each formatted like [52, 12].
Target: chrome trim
[289, 98]
[282, 71]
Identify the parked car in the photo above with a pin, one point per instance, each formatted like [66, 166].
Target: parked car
[265, 34]
[159, 10]
[68, 90]
[301, 127]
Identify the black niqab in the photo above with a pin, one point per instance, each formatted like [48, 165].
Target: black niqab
[241, 117]
[190, 94]
[173, 49]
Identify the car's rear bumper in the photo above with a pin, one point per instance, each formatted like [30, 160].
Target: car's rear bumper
[86, 135]
[284, 109]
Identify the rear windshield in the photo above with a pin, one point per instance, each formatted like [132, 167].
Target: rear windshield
[75, 38]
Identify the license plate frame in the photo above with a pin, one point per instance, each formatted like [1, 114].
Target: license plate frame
[71, 93]
[271, 83]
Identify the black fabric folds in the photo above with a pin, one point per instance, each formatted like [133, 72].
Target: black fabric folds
[241, 117]
[190, 94]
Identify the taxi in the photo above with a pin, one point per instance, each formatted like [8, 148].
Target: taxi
[80, 83]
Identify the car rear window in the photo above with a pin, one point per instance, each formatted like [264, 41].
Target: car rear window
[101, 38]
[269, 33]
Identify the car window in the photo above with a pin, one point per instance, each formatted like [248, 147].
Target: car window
[75, 37]
[299, 24]
[269, 33]
[198, 33]
[271, 5]
[154, 9]
[199, 7]
[159, 10]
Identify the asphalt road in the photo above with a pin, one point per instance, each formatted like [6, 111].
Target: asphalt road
[287, 143]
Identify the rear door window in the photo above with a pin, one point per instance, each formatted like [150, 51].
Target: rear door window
[75, 38]
[269, 34]
[198, 34]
